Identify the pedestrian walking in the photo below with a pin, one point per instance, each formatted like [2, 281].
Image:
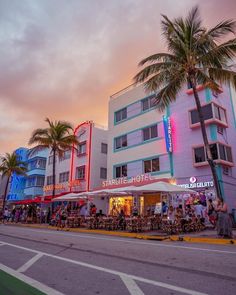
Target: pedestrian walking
[224, 223]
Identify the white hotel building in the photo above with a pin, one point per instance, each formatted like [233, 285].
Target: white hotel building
[83, 169]
[144, 142]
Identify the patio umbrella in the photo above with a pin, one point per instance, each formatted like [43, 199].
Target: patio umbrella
[69, 197]
[107, 192]
[160, 186]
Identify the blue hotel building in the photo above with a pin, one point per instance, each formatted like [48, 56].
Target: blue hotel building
[30, 186]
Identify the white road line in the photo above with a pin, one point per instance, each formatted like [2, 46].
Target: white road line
[132, 286]
[29, 263]
[114, 272]
[125, 240]
[2, 244]
[41, 287]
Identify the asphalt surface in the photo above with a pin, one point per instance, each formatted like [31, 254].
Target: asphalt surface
[87, 264]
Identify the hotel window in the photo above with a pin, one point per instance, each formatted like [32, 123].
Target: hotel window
[30, 181]
[150, 132]
[66, 155]
[120, 142]
[103, 173]
[104, 148]
[225, 153]
[220, 113]
[220, 129]
[121, 115]
[152, 165]
[49, 180]
[50, 160]
[218, 151]
[40, 181]
[209, 111]
[121, 171]
[207, 114]
[80, 172]
[63, 177]
[148, 103]
[82, 148]
[37, 164]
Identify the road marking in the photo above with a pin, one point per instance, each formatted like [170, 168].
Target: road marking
[29, 263]
[2, 244]
[131, 286]
[125, 240]
[41, 287]
[114, 272]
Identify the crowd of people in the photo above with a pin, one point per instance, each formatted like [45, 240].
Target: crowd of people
[199, 211]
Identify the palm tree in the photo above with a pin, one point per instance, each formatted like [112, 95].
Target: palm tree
[196, 56]
[58, 137]
[10, 164]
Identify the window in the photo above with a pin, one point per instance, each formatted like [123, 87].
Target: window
[40, 181]
[80, 172]
[49, 180]
[37, 164]
[120, 142]
[150, 132]
[66, 155]
[218, 151]
[121, 115]
[199, 154]
[82, 148]
[220, 113]
[121, 171]
[227, 170]
[30, 181]
[151, 165]
[63, 177]
[50, 160]
[148, 103]
[220, 130]
[209, 111]
[207, 114]
[104, 148]
[103, 173]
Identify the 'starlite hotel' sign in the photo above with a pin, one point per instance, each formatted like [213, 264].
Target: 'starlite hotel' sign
[168, 134]
[124, 180]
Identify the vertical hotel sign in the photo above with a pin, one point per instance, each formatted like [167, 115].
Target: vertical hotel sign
[168, 133]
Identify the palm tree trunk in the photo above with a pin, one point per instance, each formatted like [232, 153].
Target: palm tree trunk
[54, 172]
[5, 194]
[210, 161]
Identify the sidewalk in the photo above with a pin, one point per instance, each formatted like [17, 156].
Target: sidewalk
[208, 236]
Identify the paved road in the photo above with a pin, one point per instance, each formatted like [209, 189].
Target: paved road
[87, 264]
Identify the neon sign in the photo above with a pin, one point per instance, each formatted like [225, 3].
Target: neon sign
[125, 180]
[59, 186]
[168, 134]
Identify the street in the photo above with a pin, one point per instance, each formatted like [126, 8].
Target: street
[86, 264]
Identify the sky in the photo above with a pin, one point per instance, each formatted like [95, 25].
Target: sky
[63, 59]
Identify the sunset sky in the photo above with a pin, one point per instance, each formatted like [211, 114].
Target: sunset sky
[62, 59]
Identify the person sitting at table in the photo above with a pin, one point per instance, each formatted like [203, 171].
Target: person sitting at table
[135, 211]
[171, 214]
[121, 219]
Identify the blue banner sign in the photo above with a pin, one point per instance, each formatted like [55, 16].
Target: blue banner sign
[168, 134]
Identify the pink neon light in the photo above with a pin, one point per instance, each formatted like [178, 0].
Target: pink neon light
[73, 152]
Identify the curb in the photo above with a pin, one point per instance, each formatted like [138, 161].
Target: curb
[179, 238]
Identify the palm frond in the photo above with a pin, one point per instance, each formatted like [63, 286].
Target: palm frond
[222, 29]
[223, 76]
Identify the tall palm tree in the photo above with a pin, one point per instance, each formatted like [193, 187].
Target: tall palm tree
[58, 137]
[10, 164]
[196, 55]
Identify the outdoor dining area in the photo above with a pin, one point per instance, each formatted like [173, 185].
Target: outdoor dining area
[127, 211]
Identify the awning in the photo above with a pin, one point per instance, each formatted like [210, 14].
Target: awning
[159, 186]
[69, 197]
